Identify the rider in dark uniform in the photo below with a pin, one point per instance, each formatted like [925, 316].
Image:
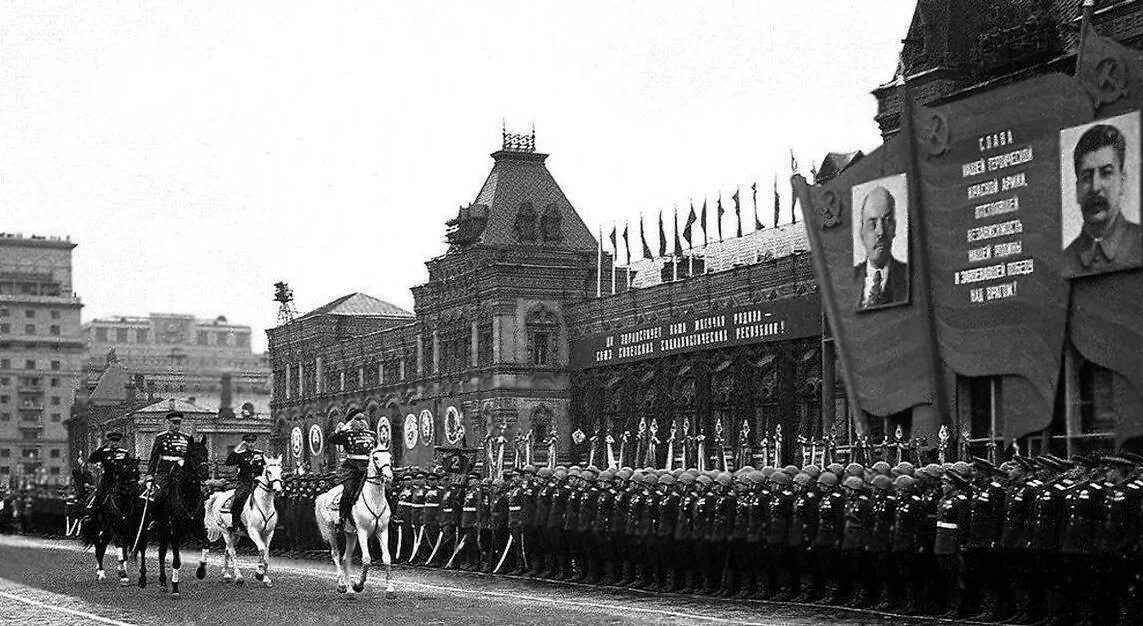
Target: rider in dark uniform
[116, 463]
[250, 462]
[169, 451]
[358, 442]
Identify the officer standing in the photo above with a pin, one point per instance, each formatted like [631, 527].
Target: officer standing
[250, 462]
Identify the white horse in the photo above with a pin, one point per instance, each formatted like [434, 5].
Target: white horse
[259, 516]
[369, 517]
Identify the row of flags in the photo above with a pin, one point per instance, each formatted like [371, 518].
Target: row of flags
[698, 219]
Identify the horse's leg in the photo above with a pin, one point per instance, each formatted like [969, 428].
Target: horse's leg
[200, 573]
[363, 541]
[385, 558]
[176, 563]
[337, 563]
[259, 572]
[227, 564]
[100, 549]
[163, 558]
[269, 539]
[232, 549]
[141, 551]
[347, 556]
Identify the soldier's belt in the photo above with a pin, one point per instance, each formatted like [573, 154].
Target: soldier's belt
[431, 504]
[513, 508]
[404, 503]
[357, 457]
[948, 525]
[469, 509]
[417, 505]
[167, 457]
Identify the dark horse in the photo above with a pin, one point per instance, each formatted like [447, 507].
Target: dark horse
[177, 512]
[115, 521]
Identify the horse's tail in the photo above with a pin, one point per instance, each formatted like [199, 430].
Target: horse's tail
[211, 518]
[322, 505]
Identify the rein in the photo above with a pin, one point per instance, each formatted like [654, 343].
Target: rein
[267, 486]
[379, 479]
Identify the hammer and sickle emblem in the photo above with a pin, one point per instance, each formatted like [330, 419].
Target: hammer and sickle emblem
[1110, 80]
[830, 209]
[936, 134]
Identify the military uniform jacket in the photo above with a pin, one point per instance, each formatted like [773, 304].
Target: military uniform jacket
[1047, 515]
[650, 509]
[587, 509]
[500, 508]
[470, 508]
[432, 505]
[527, 504]
[604, 503]
[702, 514]
[907, 523]
[448, 511]
[484, 512]
[419, 504]
[858, 522]
[633, 513]
[358, 445]
[985, 516]
[559, 507]
[804, 519]
[169, 449]
[571, 511]
[1017, 506]
[404, 509]
[831, 519]
[668, 514]
[779, 509]
[516, 507]
[1082, 507]
[884, 513]
[683, 520]
[743, 517]
[619, 510]
[952, 518]
[114, 463]
[543, 505]
[250, 464]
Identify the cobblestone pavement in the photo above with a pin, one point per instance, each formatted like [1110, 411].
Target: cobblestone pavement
[49, 581]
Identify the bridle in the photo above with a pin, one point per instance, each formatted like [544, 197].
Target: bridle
[265, 485]
[380, 480]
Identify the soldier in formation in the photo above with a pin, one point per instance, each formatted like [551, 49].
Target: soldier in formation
[1032, 539]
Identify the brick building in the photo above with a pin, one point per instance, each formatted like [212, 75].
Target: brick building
[41, 352]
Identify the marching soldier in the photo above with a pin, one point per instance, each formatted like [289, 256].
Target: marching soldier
[250, 462]
[358, 442]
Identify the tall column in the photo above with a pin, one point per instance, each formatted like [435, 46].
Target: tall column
[436, 351]
[420, 355]
[474, 345]
[288, 381]
[301, 379]
[381, 372]
[319, 376]
[496, 352]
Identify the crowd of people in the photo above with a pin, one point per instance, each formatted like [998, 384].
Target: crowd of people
[1034, 540]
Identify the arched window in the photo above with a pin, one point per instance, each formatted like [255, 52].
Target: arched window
[543, 330]
[526, 223]
[541, 422]
[550, 224]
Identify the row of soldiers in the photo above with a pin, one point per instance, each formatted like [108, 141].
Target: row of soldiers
[1028, 541]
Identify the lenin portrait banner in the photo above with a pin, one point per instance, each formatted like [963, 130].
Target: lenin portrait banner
[1026, 233]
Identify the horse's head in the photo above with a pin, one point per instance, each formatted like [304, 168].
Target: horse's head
[198, 459]
[272, 473]
[381, 462]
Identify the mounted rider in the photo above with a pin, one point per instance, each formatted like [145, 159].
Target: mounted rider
[169, 450]
[116, 464]
[358, 441]
[250, 462]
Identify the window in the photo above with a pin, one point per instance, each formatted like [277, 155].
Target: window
[55, 382]
[4, 312]
[202, 337]
[5, 470]
[29, 314]
[29, 329]
[540, 348]
[54, 471]
[29, 453]
[55, 315]
[5, 453]
[55, 400]
[5, 328]
[6, 363]
[28, 435]
[55, 366]
[550, 223]
[30, 364]
[5, 417]
[121, 335]
[55, 417]
[542, 328]
[55, 329]
[5, 399]
[526, 223]
[55, 453]
[223, 339]
[141, 335]
[101, 334]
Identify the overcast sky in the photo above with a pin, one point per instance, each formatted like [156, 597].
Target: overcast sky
[200, 151]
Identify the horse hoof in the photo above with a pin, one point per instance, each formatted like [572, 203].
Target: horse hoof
[259, 575]
[99, 575]
[390, 594]
[239, 581]
[358, 587]
[124, 582]
[268, 583]
[227, 577]
[200, 573]
[341, 589]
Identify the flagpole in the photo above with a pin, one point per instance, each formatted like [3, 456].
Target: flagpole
[599, 266]
[674, 257]
[615, 255]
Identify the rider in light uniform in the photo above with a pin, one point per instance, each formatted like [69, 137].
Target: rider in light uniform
[250, 462]
[358, 442]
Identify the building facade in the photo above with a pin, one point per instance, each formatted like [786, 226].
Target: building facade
[184, 357]
[511, 338]
[41, 353]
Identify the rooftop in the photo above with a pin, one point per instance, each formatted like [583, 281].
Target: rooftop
[360, 305]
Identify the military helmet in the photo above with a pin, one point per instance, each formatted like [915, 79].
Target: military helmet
[791, 470]
[853, 482]
[782, 478]
[678, 471]
[881, 467]
[904, 468]
[827, 478]
[767, 471]
[881, 481]
[687, 479]
[854, 469]
[667, 479]
[803, 479]
[703, 480]
[724, 478]
[836, 468]
[812, 470]
[756, 477]
[904, 481]
[544, 472]
[962, 468]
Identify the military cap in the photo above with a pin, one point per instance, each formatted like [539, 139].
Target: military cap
[881, 467]
[836, 468]
[1131, 456]
[678, 471]
[544, 472]
[756, 477]
[803, 479]
[625, 473]
[251, 437]
[792, 470]
[1010, 465]
[1115, 459]
[113, 436]
[904, 481]
[985, 465]
[667, 479]
[955, 479]
[650, 478]
[355, 414]
[882, 481]
[703, 480]
[529, 469]
[687, 479]
[904, 468]
[175, 416]
[724, 478]
[575, 471]
[853, 482]
[854, 469]
[767, 471]
[962, 468]
[813, 470]
[827, 478]
[782, 478]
